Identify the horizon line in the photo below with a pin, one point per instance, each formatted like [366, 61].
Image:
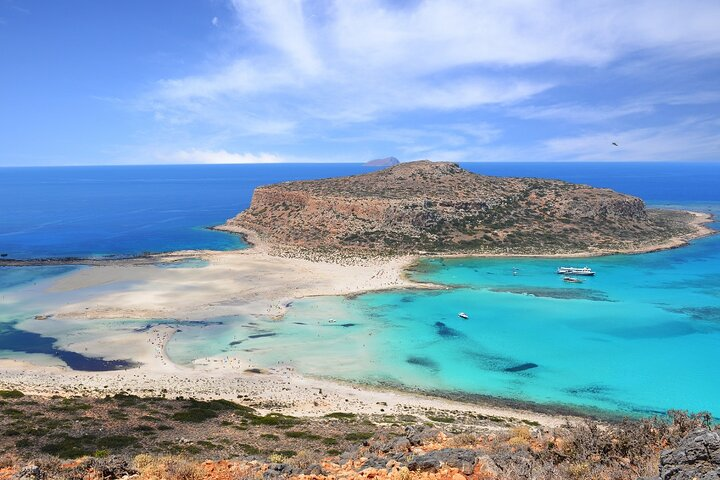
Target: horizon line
[81, 165]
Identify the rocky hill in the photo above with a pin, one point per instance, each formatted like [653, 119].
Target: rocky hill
[439, 207]
[382, 162]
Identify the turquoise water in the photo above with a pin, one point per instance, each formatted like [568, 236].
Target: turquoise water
[641, 337]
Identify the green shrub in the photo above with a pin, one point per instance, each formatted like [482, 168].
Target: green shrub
[116, 441]
[341, 415]
[195, 415]
[302, 434]
[11, 394]
[68, 447]
[358, 436]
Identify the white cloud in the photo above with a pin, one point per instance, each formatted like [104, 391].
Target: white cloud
[300, 65]
[215, 21]
[586, 113]
[218, 156]
[388, 59]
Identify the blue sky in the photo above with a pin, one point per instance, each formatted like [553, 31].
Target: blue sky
[231, 81]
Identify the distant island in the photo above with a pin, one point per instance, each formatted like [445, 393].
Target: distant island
[438, 207]
[382, 162]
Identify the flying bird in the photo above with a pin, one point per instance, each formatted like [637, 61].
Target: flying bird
[615, 144]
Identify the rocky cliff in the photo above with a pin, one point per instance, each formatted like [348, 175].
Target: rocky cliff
[439, 207]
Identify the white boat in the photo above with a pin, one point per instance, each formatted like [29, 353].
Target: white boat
[463, 315]
[586, 271]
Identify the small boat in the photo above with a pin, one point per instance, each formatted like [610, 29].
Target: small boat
[572, 280]
[463, 315]
[586, 271]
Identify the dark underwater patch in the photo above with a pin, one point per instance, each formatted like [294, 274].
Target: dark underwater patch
[425, 362]
[178, 323]
[522, 367]
[261, 335]
[705, 314]
[16, 340]
[662, 330]
[589, 390]
[236, 342]
[488, 361]
[446, 332]
[558, 293]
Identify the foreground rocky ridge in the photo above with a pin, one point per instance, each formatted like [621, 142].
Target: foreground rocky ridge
[425, 206]
[125, 436]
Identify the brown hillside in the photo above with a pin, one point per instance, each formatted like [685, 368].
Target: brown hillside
[440, 207]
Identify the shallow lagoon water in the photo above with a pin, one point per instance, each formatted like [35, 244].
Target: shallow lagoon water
[641, 337]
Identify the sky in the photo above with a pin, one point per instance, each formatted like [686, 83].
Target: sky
[88, 82]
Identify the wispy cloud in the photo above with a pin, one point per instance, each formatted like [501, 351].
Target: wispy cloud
[663, 143]
[303, 69]
[218, 157]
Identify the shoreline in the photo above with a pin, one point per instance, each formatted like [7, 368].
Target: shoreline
[279, 389]
[250, 282]
[699, 222]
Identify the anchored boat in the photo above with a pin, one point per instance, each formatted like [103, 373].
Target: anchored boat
[463, 315]
[575, 271]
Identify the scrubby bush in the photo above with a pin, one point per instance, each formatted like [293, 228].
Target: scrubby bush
[167, 468]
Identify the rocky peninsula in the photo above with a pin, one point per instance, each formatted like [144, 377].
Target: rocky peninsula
[439, 208]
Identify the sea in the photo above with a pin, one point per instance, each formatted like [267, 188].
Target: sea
[638, 339]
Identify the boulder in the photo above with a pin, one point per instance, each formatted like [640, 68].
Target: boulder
[697, 457]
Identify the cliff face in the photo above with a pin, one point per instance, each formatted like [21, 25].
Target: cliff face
[426, 206]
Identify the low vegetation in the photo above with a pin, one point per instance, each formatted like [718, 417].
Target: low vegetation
[183, 439]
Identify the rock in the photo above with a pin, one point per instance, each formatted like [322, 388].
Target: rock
[487, 464]
[419, 435]
[314, 469]
[424, 463]
[400, 444]
[30, 472]
[109, 468]
[462, 459]
[440, 207]
[697, 457]
[382, 162]
[375, 462]
[279, 470]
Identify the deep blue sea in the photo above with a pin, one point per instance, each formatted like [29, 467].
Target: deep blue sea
[129, 210]
[641, 337]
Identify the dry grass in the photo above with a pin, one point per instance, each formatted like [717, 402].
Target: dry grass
[463, 440]
[167, 468]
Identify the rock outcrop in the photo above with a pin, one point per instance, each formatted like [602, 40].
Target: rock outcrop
[696, 458]
[382, 162]
[439, 207]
